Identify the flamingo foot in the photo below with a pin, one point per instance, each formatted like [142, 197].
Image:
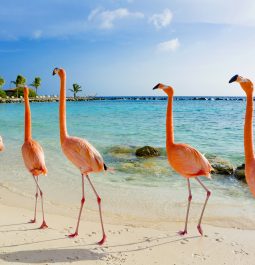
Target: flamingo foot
[199, 228]
[101, 242]
[32, 221]
[43, 225]
[182, 233]
[73, 235]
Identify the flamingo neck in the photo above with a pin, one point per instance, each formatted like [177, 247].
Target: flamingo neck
[28, 133]
[248, 131]
[169, 122]
[62, 107]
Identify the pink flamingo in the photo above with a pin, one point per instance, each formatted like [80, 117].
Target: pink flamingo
[80, 152]
[184, 159]
[1, 144]
[247, 86]
[33, 157]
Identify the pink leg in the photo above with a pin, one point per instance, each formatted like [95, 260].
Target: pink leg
[208, 193]
[32, 221]
[182, 233]
[43, 225]
[101, 242]
[81, 207]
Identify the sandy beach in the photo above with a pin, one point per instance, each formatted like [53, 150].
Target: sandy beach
[24, 243]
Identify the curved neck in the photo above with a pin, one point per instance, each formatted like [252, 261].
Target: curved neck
[169, 122]
[28, 133]
[248, 131]
[62, 107]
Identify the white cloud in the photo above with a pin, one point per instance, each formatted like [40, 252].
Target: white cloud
[94, 13]
[37, 34]
[214, 11]
[161, 20]
[168, 46]
[108, 17]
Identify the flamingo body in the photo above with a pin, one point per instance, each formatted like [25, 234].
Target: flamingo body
[187, 161]
[80, 152]
[33, 157]
[183, 158]
[83, 155]
[250, 176]
[1, 144]
[247, 86]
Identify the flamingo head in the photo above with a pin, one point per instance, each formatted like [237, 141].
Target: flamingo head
[59, 71]
[167, 89]
[55, 71]
[1, 144]
[245, 83]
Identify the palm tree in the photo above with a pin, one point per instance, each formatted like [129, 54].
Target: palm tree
[20, 80]
[36, 83]
[2, 82]
[76, 89]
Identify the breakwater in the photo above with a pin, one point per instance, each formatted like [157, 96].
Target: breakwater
[119, 98]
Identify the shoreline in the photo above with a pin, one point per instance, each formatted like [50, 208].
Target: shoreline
[122, 98]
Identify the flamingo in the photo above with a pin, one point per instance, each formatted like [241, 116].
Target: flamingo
[33, 157]
[80, 152]
[247, 86]
[1, 144]
[184, 159]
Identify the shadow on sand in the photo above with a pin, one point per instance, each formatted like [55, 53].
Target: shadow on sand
[79, 252]
[51, 255]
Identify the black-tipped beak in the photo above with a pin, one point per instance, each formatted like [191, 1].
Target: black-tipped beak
[156, 87]
[233, 79]
[55, 71]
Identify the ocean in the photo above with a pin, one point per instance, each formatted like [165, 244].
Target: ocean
[145, 189]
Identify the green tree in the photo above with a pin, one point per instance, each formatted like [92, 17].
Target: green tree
[20, 81]
[36, 83]
[2, 82]
[2, 94]
[31, 93]
[76, 89]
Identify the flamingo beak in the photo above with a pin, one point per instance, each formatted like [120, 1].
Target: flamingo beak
[55, 71]
[156, 87]
[233, 79]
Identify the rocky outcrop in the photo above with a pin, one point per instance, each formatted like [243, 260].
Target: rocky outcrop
[240, 173]
[221, 166]
[147, 151]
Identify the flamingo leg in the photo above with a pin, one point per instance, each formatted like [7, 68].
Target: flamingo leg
[32, 221]
[208, 193]
[187, 213]
[43, 225]
[101, 242]
[81, 207]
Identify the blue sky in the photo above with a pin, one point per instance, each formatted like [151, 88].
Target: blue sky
[125, 47]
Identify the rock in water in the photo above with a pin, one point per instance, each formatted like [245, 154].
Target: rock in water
[147, 151]
[240, 173]
[221, 166]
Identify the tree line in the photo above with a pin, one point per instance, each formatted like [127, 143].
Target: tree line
[20, 82]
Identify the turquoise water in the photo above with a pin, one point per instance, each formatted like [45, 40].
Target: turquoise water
[116, 129]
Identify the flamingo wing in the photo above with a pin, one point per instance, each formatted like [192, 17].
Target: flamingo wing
[33, 157]
[189, 162]
[82, 154]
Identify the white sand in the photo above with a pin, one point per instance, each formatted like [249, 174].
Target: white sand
[23, 243]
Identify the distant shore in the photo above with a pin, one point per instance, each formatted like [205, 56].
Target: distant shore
[56, 98]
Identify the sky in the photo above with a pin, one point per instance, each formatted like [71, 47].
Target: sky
[125, 47]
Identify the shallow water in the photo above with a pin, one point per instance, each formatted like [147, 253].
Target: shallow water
[139, 187]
